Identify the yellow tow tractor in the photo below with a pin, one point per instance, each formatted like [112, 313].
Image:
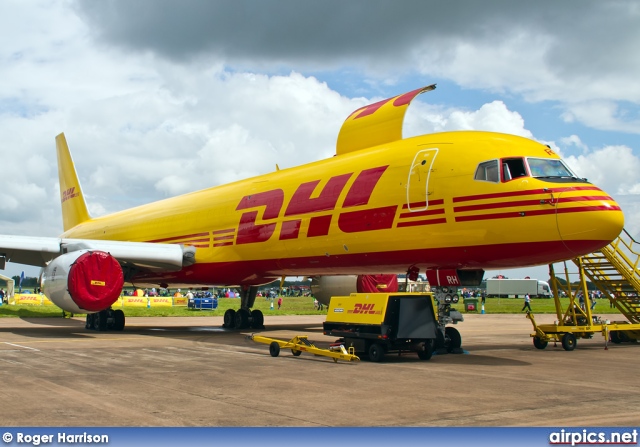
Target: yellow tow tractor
[300, 344]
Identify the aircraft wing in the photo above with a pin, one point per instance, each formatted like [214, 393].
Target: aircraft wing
[39, 251]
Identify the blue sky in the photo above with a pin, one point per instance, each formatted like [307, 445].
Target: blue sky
[163, 97]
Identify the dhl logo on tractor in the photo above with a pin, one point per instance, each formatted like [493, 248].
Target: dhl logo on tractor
[363, 308]
[454, 202]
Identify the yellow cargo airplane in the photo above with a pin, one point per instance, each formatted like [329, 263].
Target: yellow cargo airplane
[451, 204]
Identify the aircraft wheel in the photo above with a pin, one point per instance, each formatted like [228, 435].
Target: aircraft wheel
[242, 319]
[539, 343]
[569, 341]
[118, 317]
[274, 349]
[100, 321]
[426, 351]
[296, 352]
[453, 339]
[257, 319]
[230, 319]
[89, 322]
[376, 352]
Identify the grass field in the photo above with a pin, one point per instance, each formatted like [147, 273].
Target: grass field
[290, 306]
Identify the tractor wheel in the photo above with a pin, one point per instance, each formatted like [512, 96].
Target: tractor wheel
[539, 343]
[376, 352]
[569, 341]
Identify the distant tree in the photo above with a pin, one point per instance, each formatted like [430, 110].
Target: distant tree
[29, 282]
[560, 281]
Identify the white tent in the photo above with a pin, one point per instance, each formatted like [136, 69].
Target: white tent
[10, 283]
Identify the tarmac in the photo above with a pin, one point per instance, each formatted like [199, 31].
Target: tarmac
[188, 371]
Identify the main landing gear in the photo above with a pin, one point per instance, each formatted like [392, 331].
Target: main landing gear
[106, 320]
[244, 317]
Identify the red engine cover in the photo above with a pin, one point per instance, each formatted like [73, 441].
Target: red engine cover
[95, 281]
[377, 283]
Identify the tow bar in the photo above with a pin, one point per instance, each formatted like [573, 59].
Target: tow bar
[300, 344]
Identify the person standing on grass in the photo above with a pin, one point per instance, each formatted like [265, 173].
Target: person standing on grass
[527, 302]
[279, 302]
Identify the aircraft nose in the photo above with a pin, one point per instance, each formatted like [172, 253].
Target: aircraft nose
[587, 222]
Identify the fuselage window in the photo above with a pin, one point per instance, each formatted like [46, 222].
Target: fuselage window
[488, 171]
[513, 168]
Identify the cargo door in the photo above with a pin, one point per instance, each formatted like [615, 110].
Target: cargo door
[418, 181]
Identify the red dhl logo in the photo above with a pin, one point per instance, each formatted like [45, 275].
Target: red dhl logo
[398, 101]
[306, 200]
[360, 308]
[69, 194]
[136, 300]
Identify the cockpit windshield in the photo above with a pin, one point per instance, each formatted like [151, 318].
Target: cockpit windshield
[549, 168]
[507, 169]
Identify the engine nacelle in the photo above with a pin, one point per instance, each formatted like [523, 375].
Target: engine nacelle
[83, 281]
[324, 287]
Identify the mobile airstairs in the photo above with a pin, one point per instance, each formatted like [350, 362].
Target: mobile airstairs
[614, 271]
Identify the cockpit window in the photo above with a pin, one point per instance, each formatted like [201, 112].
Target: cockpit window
[505, 169]
[488, 171]
[549, 168]
[513, 168]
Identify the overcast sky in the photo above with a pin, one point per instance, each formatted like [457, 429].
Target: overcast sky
[162, 97]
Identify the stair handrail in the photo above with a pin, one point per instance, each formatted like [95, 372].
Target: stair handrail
[614, 246]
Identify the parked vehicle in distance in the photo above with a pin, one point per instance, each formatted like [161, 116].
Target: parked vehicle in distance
[517, 288]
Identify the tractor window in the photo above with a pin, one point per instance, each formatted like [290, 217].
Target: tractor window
[513, 168]
[488, 171]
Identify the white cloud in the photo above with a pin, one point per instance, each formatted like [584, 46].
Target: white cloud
[574, 140]
[580, 54]
[493, 117]
[613, 168]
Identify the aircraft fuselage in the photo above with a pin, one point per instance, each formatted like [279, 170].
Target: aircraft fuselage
[414, 202]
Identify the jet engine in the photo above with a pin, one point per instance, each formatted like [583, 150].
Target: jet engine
[324, 287]
[83, 281]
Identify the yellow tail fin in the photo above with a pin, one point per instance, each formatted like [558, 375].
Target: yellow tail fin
[74, 208]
